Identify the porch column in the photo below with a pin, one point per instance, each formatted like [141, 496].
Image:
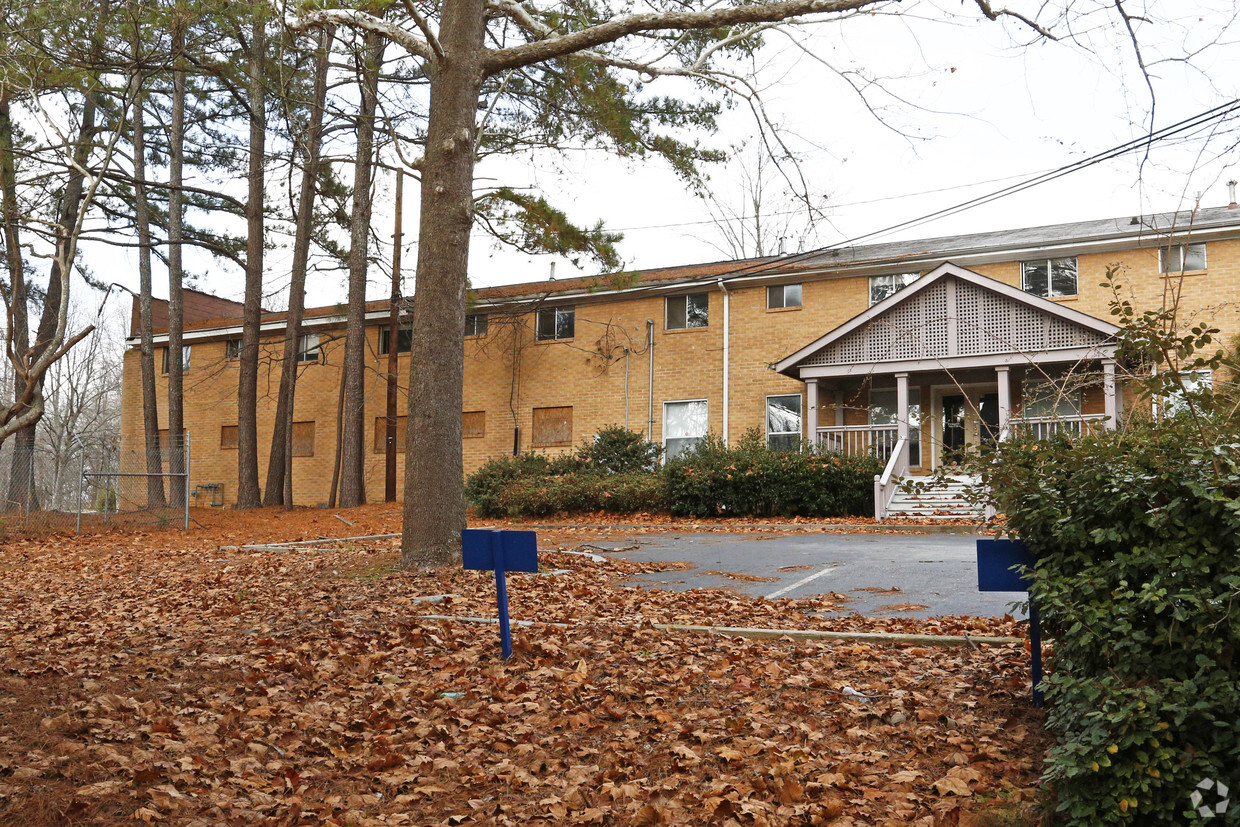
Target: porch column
[1005, 401]
[839, 409]
[902, 415]
[811, 415]
[1109, 400]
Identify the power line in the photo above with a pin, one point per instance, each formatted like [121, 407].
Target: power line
[1194, 122]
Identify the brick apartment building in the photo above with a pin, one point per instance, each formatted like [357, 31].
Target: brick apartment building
[931, 346]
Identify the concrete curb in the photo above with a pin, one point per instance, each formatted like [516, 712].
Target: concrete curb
[774, 634]
[867, 528]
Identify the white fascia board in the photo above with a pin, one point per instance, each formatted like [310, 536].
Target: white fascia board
[206, 333]
[1075, 354]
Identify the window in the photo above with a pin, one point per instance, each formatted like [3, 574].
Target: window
[404, 340]
[554, 323]
[308, 350]
[184, 359]
[232, 349]
[1180, 258]
[553, 426]
[228, 437]
[783, 423]
[380, 444]
[303, 439]
[883, 411]
[1046, 400]
[474, 424]
[1196, 383]
[783, 295]
[1049, 277]
[476, 324]
[688, 311]
[684, 425]
[883, 286]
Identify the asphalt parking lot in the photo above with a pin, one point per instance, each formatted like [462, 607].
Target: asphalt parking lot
[902, 575]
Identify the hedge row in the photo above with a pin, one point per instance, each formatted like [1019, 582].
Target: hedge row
[618, 473]
[1137, 537]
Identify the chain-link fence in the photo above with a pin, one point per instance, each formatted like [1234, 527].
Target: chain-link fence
[92, 480]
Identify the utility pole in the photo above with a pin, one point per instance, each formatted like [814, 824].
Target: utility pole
[389, 491]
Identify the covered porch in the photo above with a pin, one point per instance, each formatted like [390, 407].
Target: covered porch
[951, 363]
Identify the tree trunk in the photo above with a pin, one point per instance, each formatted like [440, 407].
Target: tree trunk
[352, 459]
[434, 512]
[19, 311]
[176, 305]
[248, 493]
[279, 465]
[150, 413]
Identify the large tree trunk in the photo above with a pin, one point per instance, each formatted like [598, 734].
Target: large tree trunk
[279, 465]
[248, 493]
[352, 452]
[150, 415]
[176, 305]
[434, 511]
[20, 469]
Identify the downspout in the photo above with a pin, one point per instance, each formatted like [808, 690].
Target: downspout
[650, 380]
[727, 321]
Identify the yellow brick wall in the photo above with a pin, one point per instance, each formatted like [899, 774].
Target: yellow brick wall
[508, 373]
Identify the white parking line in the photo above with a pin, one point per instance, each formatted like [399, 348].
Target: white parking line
[800, 583]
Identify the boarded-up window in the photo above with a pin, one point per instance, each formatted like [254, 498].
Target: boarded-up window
[303, 439]
[228, 436]
[553, 426]
[474, 424]
[381, 434]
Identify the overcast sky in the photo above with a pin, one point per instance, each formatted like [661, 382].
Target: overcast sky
[966, 111]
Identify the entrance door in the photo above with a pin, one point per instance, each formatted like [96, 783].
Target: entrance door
[953, 429]
[988, 413]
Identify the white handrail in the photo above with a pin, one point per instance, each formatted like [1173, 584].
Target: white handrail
[884, 488]
[897, 453]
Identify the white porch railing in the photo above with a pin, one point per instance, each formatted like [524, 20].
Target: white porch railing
[885, 484]
[1043, 427]
[858, 440]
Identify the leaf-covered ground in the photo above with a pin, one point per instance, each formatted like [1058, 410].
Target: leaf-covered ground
[175, 679]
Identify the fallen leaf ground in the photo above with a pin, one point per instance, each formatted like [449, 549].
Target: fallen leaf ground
[169, 678]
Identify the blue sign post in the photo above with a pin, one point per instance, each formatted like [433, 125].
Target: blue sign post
[484, 549]
[997, 561]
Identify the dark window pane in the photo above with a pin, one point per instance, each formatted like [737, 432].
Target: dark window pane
[775, 296]
[697, 310]
[546, 324]
[564, 322]
[1033, 277]
[476, 324]
[1063, 276]
[676, 317]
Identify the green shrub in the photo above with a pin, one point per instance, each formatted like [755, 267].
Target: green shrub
[584, 493]
[750, 480]
[1137, 535]
[484, 487]
[617, 450]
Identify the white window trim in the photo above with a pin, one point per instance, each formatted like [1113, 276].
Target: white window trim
[684, 297]
[766, 417]
[1183, 248]
[783, 288]
[667, 402]
[555, 327]
[1049, 278]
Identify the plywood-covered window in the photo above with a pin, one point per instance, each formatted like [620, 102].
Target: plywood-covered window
[381, 434]
[303, 439]
[228, 437]
[553, 426]
[474, 424]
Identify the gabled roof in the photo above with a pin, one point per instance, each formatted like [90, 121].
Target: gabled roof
[929, 320]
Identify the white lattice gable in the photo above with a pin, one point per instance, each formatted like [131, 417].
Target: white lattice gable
[952, 314]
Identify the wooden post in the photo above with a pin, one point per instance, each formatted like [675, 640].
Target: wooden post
[389, 490]
[811, 412]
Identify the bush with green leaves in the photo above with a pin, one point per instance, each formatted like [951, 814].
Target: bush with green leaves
[714, 480]
[584, 493]
[617, 450]
[1137, 536]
